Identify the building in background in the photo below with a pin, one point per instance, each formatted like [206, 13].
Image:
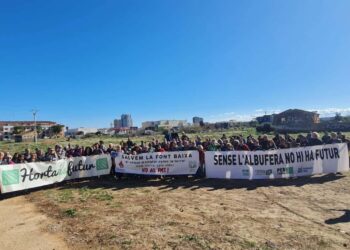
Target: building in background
[265, 119]
[126, 131]
[164, 124]
[296, 117]
[125, 121]
[197, 121]
[117, 123]
[296, 120]
[106, 131]
[25, 137]
[80, 131]
[9, 128]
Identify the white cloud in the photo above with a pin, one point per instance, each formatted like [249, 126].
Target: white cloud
[331, 111]
[259, 110]
[230, 116]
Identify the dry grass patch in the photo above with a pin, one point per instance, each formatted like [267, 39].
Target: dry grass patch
[200, 214]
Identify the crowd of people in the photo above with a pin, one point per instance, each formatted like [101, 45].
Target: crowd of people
[175, 142]
[53, 154]
[232, 143]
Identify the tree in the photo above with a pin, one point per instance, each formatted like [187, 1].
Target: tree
[346, 119]
[338, 117]
[56, 129]
[18, 130]
[266, 128]
[39, 129]
[253, 124]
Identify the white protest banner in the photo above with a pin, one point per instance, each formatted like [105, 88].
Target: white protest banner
[88, 166]
[30, 175]
[166, 163]
[281, 163]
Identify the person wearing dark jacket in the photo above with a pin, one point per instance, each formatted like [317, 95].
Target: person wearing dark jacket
[314, 140]
[326, 138]
[267, 144]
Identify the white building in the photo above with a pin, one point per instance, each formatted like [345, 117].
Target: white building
[106, 131]
[7, 127]
[80, 131]
[166, 124]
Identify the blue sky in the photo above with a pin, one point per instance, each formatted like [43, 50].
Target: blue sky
[84, 63]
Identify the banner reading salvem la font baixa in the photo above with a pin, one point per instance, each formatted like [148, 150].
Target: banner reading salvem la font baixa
[165, 163]
[281, 163]
[30, 175]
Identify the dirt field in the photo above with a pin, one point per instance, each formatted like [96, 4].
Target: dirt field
[303, 213]
[22, 226]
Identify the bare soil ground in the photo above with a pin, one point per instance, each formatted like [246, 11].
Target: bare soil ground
[22, 226]
[303, 213]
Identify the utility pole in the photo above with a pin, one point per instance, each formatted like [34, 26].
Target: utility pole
[34, 112]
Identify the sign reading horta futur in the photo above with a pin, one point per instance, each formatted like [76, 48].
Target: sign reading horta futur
[30, 175]
[166, 163]
[281, 163]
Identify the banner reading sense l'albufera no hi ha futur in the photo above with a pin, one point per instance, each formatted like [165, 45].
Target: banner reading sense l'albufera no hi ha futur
[30, 175]
[281, 163]
[166, 163]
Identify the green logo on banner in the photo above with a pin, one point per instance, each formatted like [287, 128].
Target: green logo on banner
[290, 170]
[101, 164]
[10, 177]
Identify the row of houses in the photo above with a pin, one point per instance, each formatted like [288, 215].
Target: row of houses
[147, 127]
[24, 130]
[81, 131]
